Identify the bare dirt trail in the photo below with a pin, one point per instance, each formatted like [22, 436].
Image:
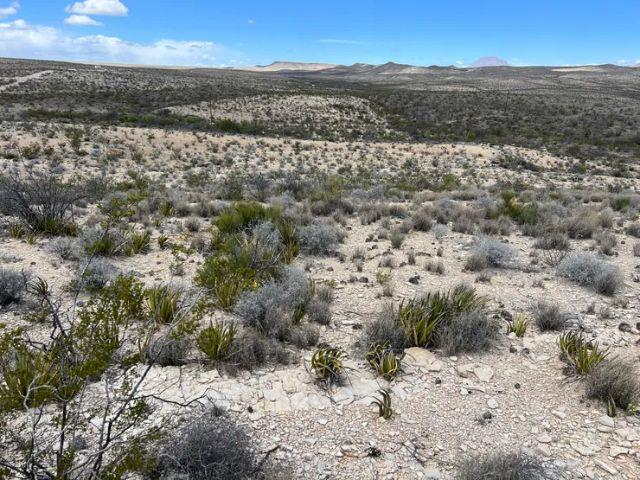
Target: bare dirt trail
[24, 79]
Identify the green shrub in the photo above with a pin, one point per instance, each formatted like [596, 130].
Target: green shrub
[383, 360]
[227, 277]
[241, 216]
[162, 302]
[216, 340]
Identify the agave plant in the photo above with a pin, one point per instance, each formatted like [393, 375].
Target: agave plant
[383, 403]
[518, 325]
[383, 360]
[327, 364]
[216, 340]
[580, 355]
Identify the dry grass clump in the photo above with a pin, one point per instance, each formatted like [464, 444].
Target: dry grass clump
[502, 466]
[12, 286]
[488, 252]
[615, 380]
[588, 270]
[548, 316]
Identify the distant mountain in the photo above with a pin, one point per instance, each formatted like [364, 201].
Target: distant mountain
[289, 67]
[489, 62]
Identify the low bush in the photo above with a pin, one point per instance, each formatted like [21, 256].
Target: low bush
[43, 202]
[384, 330]
[277, 307]
[548, 316]
[65, 247]
[319, 238]
[633, 229]
[490, 252]
[502, 466]
[615, 380]
[227, 277]
[212, 447]
[553, 241]
[468, 331]
[166, 351]
[12, 286]
[588, 270]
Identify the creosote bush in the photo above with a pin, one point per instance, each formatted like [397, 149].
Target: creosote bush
[41, 201]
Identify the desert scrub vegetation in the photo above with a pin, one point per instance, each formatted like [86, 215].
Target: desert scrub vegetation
[41, 201]
[502, 466]
[212, 446]
[276, 309]
[12, 286]
[548, 316]
[454, 321]
[250, 243]
[488, 252]
[55, 376]
[588, 270]
[327, 364]
[581, 356]
[615, 381]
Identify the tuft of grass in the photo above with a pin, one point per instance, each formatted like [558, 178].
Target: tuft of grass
[163, 303]
[548, 316]
[616, 381]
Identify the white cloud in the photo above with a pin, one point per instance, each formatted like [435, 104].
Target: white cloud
[84, 20]
[10, 10]
[22, 40]
[251, 21]
[112, 8]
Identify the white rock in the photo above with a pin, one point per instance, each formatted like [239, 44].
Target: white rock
[483, 373]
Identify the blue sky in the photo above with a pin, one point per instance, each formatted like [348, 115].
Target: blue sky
[224, 33]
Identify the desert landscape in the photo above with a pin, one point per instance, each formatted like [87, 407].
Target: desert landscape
[322, 272]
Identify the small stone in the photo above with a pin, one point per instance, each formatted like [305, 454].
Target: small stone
[415, 279]
[624, 327]
[606, 467]
[465, 370]
[544, 438]
[616, 451]
[607, 421]
[492, 403]
[559, 414]
[483, 373]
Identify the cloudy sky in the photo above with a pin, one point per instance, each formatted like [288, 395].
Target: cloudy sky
[424, 32]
